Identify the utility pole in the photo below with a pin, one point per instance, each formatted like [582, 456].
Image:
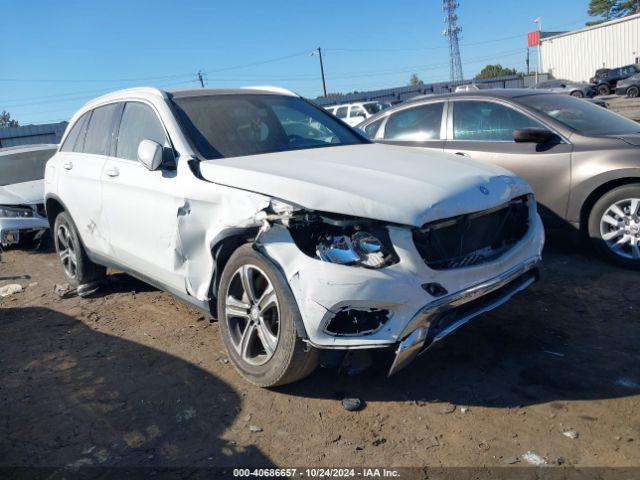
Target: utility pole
[539, 70]
[527, 61]
[324, 85]
[201, 78]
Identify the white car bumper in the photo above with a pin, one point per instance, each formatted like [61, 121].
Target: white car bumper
[11, 228]
[324, 290]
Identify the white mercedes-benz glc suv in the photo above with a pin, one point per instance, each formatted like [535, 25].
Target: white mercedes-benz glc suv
[296, 232]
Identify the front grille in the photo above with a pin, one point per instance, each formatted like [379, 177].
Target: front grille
[474, 238]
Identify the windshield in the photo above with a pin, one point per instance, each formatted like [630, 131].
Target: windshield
[373, 108]
[23, 166]
[584, 117]
[250, 124]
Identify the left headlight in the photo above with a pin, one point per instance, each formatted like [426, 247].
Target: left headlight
[15, 212]
[361, 248]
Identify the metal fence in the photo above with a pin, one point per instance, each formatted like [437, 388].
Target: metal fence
[32, 134]
[400, 94]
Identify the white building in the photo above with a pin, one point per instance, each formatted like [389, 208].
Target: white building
[578, 54]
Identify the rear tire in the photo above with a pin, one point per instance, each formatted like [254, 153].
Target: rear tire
[604, 89]
[633, 92]
[77, 267]
[614, 226]
[259, 328]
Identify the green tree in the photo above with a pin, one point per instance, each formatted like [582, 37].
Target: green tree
[492, 71]
[415, 80]
[7, 121]
[612, 9]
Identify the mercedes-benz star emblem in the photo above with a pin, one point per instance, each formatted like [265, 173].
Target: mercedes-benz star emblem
[484, 190]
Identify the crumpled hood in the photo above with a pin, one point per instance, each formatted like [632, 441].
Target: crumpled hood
[22, 193]
[410, 186]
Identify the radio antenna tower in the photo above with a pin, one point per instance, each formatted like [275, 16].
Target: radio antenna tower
[451, 32]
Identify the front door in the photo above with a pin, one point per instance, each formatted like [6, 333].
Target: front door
[483, 130]
[141, 205]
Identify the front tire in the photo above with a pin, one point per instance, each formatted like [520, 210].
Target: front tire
[77, 267]
[257, 317]
[614, 225]
[604, 89]
[577, 94]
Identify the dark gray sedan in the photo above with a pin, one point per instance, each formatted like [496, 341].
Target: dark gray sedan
[583, 161]
[567, 87]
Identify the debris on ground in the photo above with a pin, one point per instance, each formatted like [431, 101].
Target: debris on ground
[352, 404]
[464, 409]
[534, 459]
[572, 434]
[448, 408]
[64, 290]
[10, 289]
[87, 289]
[254, 429]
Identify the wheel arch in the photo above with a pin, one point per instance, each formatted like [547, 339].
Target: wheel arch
[596, 194]
[53, 207]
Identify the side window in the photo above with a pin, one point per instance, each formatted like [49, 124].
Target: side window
[342, 112]
[373, 128]
[100, 130]
[139, 122]
[415, 124]
[487, 121]
[357, 111]
[71, 143]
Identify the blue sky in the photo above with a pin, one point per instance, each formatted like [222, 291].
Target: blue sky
[56, 55]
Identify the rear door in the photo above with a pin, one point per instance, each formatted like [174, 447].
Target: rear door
[483, 130]
[82, 159]
[141, 205]
[415, 126]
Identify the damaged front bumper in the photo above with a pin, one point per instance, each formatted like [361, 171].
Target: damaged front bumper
[11, 228]
[441, 318]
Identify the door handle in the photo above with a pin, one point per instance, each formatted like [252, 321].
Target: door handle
[112, 171]
[67, 165]
[462, 154]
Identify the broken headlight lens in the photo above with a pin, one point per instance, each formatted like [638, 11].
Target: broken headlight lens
[361, 248]
[15, 212]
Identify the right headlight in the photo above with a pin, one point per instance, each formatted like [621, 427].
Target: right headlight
[344, 241]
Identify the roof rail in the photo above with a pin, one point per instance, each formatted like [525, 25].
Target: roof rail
[269, 88]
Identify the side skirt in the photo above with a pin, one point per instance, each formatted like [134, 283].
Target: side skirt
[184, 296]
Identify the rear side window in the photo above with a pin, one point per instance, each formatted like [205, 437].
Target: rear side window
[100, 131]
[75, 139]
[357, 111]
[373, 128]
[139, 122]
[415, 124]
[342, 112]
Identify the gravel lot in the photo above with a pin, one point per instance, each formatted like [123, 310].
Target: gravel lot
[135, 377]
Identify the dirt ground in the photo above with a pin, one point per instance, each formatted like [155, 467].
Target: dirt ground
[135, 377]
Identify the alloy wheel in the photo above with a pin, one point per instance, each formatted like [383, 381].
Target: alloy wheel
[620, 228]
[66, 251]
[252, 315]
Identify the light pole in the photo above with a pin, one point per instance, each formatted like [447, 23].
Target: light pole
[539, 22]
[324, 85]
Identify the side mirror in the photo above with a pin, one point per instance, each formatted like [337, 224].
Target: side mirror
[533, 135]
[150, 154]
[363, 115]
